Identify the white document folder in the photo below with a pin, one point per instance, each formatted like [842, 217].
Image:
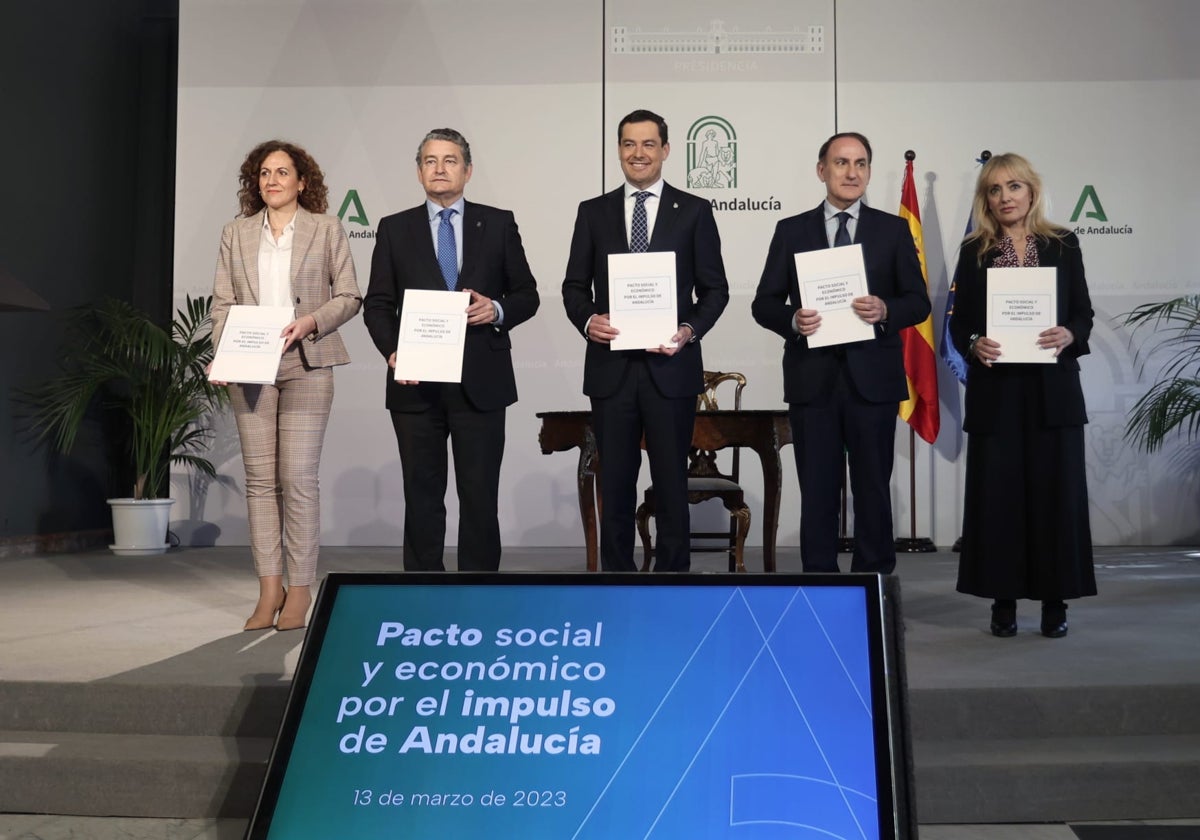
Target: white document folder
[1021, 303]
[830, 279]
[433, 331]
[251, 344]
[641, 299]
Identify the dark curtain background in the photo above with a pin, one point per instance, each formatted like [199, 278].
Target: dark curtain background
[87, 144]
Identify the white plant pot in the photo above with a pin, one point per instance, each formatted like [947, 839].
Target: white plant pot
[140, 525]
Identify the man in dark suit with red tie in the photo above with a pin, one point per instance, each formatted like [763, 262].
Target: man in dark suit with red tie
[844, 398]
[650, 393]
[448, 243]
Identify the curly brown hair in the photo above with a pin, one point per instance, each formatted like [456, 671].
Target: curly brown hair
[314, 197]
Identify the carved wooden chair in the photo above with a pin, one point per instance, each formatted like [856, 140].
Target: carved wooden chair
[706, 481]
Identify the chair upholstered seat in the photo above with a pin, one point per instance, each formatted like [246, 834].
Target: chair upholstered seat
[712, 485]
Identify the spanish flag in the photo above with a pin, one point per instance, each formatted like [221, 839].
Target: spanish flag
[920, 410]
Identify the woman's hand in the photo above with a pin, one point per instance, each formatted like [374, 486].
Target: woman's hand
[986, 350]
[296, 331]
[207, 371]
[1055, 337]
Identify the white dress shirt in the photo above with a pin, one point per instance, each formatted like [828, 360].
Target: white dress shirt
[651, 207]
[831, 220]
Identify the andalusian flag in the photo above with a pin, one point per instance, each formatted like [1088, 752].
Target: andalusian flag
[921, 409]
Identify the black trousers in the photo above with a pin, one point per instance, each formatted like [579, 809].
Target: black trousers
[826, 431]
[620, 421]
[477, 442]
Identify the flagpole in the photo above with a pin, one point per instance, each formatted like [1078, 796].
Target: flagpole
[912, 544]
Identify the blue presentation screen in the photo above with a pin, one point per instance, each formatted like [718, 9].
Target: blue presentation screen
[587, 706]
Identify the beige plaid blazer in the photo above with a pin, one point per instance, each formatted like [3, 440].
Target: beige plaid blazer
[324, 284]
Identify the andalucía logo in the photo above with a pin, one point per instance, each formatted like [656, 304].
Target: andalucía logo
[353, 205]
[1089, 207]
[712, 154]
[712, 164]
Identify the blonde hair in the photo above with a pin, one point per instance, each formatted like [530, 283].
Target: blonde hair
[987, 229]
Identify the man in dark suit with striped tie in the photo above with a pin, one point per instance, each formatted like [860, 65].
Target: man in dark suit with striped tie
[844, 398]
[650, 393]
[449, 243]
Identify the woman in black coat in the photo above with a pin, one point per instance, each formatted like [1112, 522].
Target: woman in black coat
[1025, 522]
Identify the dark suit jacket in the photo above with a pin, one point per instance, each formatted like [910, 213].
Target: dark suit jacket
[685, 225]
[893, 273]
[1062, 393]
[494, 264]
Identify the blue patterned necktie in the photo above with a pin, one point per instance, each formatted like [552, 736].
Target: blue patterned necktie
[639, 230]
[447, 251]
[842, 237]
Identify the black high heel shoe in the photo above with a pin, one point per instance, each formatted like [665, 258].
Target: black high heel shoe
[1004, 619]
[1054, 619]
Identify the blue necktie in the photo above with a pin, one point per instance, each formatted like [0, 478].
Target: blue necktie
[447, 251]
[842, 237]
[639, 231]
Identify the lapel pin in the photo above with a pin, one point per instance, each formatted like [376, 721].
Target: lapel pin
[675, 205]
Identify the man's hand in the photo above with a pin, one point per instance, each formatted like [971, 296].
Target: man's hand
[481, 310]
[682, 337]
[807, 321]
[600, 330]
[870, 308]
[392, 365]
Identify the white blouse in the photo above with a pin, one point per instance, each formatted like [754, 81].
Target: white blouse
[274, 266]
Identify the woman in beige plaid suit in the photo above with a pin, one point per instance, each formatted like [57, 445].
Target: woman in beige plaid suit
[283, 251]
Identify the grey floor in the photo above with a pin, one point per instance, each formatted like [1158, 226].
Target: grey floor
[91, 616]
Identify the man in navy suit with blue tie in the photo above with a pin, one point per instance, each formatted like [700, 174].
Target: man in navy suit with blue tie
[449, 243]
[650, 393]
[844, 398]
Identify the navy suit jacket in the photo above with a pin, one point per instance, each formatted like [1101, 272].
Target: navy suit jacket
[494, 265]
[1062, 403]
[876, 366]
[685, 225]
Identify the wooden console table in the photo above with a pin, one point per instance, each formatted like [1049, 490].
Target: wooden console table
[765, 432]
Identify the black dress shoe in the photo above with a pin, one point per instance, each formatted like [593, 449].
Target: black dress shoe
[1054, 619]
[1004, 619]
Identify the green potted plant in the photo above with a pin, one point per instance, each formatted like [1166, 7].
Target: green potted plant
[1173, 402]
[119, 358]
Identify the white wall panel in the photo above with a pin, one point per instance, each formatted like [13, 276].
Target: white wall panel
[1096, 93]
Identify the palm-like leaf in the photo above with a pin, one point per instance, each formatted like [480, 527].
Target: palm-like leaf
[1173, 402]
[122, 359]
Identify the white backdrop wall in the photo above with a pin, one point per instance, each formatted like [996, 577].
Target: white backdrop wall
[1097, 93]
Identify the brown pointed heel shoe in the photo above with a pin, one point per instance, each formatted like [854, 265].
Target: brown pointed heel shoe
[263, 619]
[294, 615]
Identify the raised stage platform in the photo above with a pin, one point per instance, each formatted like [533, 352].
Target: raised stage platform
[127, 689]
